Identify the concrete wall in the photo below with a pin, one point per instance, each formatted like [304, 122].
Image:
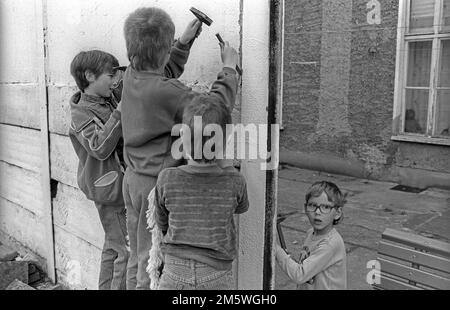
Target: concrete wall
[255, 92]
[73, 26]
[338, 97]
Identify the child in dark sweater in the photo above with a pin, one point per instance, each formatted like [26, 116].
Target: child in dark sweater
[152, 103]
[96, 135]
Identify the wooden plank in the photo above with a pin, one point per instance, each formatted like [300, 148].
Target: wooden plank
[21, 187]
[19, 105]
[77, 215]
[425, 37]
[435, 61]
[419, 139]
[413, 256]
[432, 99]
[17, 46]
[42, 60]
[440, 15]
[20, 147]
[64, 161]
[415, 275]
[416, 241]
[70, 252]
[59, 108]
[22, 225]
[397, 117]
[388, 283]
[435, 66]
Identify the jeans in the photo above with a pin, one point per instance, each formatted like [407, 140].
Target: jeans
[188, 274]
[113, 268]
[136, 189]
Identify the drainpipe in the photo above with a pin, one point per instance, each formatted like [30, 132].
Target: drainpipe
[273, 117]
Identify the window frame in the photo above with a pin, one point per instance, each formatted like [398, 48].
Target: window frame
[403, 40]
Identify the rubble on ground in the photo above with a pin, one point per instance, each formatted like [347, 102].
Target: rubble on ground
[22, 272]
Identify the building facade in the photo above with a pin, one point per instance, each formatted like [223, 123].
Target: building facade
[367, 89]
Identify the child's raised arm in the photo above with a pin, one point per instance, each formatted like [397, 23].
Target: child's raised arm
[319, 260]
[98, 139]
[225, 87]
[180, 51]
[178, 58]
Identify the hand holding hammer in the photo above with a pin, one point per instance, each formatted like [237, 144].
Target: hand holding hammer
[229, 54]
[193, 30]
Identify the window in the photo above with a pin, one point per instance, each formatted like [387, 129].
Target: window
[422, 89]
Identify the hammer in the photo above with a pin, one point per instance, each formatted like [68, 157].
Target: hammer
[201, 16]
[238, 69]
[280, 232]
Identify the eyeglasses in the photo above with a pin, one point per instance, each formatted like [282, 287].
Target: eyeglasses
[324, 209]
[117, 79]
[118, 75]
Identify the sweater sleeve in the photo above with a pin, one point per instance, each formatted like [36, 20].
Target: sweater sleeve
[161, 214]
[100, 140]
[178, 58]
[319, 260]
[243, 204]
[225, 87]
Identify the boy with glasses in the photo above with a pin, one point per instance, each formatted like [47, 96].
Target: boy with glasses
[322, 263]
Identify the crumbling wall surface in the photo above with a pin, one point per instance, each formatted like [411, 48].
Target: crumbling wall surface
[74, 26]
[341, 105]
[21, 201]
[432, 157]
[302, 33]
[371, 95]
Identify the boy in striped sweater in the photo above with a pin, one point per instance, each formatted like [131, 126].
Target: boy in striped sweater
[196, 203]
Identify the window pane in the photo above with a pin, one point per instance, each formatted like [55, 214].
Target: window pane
[444, 66]
[416, 110]
[446, 15]
[422, 15]
[443, 113]
[419, 64]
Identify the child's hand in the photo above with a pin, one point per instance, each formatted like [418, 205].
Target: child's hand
[229, 55]
[279, 248]
[193, 30]
[304, 254]
[224, 163]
